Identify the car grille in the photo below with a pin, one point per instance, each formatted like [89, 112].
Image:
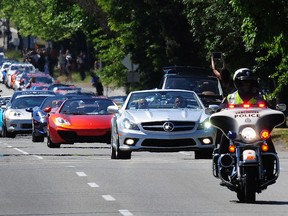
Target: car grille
[178, 126]
[26, 126]
[168, 143]
[71, 136]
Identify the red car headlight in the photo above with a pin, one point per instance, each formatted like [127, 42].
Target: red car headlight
[60, 121]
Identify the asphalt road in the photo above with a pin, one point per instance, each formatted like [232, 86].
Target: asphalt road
[82, 180]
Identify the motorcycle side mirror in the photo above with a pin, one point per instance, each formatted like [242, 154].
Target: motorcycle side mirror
[281, 107]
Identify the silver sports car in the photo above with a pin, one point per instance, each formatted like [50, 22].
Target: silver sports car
[16, 119]
[161, 120]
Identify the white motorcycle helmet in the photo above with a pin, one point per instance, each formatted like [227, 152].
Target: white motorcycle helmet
[245, 82]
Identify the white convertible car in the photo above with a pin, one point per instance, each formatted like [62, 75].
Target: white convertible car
[162, 120]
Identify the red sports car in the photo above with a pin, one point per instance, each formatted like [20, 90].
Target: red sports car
[80, 120]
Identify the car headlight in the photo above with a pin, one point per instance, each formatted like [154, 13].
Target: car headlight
[13, 114]
[248, 134]
[61, 121]
[127, 124]
[204, 125]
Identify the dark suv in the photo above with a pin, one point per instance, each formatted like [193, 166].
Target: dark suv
[200, 80]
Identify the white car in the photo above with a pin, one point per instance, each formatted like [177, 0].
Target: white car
[13, 68]
[16, 120]
[3, 68]
[162, 120]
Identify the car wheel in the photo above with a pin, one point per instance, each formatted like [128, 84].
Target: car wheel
[50, 144]
[112, 149]
[112, 152]
[122, 154]
[202, 154]
[11, 135]
[5, 133]
[37, 138]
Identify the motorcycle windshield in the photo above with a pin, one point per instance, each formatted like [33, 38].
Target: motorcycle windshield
[237, 118]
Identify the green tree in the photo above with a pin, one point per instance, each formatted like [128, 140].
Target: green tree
[47, 19]
[264, 24]
[217, 27]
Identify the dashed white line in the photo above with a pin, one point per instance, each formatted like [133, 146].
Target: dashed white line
[81, 174]
[26, 153]
[39, 157]
[125, 212]
[23, 152]
[92, 184]
[108, 197]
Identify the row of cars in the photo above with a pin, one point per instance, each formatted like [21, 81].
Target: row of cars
[63, 118]
[148, 120]
[162, 124]
[17, 75]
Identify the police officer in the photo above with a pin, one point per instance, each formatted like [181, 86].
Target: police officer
[247, 91]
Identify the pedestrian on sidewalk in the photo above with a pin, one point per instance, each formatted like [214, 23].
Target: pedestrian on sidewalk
[95, 81]
[68, 66]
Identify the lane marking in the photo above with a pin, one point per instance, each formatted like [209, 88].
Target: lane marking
[25, 153]
[92, 184]
[125, 212]
[39, 157]
[108, 197]
[21, 151]
[81, 174]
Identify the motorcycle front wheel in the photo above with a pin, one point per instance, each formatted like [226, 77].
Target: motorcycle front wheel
[247, 190]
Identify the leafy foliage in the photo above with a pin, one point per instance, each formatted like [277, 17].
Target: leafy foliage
[48, 19]
[163, 32]
[265, 32]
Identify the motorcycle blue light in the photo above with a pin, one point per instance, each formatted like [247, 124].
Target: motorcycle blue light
[231, 135]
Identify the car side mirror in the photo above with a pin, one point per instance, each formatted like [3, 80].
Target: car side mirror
[281, 107]
[47, 109]
[29, 109]
[113, 109]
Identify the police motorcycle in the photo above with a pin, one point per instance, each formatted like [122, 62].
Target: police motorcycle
[243, 168]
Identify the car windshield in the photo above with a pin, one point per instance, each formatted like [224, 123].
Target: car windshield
[199, 85]
[53, 102]
[163, 100]
[26, 102]
[86, 106]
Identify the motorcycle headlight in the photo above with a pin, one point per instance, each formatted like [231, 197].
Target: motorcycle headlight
[127, 124]
[248, 134]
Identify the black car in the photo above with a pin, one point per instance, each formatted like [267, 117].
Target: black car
[197, 79]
